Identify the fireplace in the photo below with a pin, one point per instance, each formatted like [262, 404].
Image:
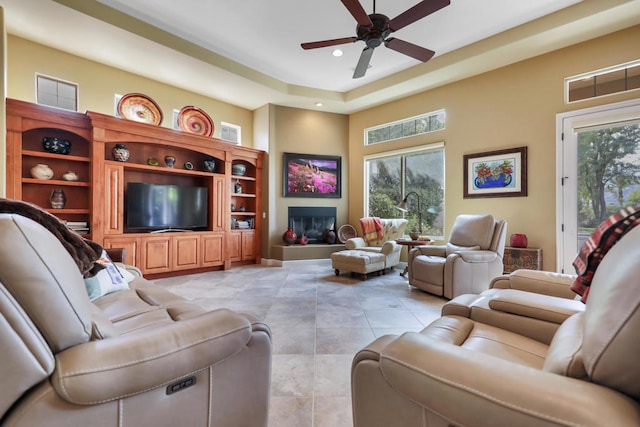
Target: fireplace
[315, 222]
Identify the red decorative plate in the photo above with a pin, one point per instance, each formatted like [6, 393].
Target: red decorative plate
[194, 120]
[140, 108]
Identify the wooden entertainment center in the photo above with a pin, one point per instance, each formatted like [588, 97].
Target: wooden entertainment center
[97, 197]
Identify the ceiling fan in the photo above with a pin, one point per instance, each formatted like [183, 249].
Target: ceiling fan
[375, 29]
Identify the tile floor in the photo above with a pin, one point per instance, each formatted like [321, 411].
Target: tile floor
[318, 322]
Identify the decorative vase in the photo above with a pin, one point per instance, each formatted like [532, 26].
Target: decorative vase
[70, 176]
[331, 237]
[56, 145]
[120, 153]
[237, 188]
[58, 199]
[304, 239]
[518, 240]
[242, 208]
[169, 161]
[42, 171]
[210, 165]
[289, 236]
[414, 234]
[238, 169]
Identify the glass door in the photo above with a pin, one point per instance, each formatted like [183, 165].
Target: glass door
[599, 171]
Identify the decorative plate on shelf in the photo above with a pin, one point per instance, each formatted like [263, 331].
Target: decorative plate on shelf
[140, 108]
[346, 232]
[195, 120]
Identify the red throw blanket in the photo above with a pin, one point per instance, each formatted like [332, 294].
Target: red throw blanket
[371, 229]
[603, 238]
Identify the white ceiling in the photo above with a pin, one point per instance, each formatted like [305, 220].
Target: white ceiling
[248, 52]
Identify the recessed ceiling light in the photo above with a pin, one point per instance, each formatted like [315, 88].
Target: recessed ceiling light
[319, 104]
[337, 52]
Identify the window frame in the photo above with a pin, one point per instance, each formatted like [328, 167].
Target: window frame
[405, 152]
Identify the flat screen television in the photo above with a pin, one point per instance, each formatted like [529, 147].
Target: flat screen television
[164, 207]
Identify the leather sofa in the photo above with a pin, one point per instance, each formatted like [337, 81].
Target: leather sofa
[471, 369]
[137, 357]
[466, 263]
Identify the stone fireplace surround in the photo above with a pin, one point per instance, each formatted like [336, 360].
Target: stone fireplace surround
[314, 221]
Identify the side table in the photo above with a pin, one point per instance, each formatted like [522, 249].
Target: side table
[528, 258]
[411, 244]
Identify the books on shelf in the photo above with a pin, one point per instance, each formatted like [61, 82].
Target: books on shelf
[81, 227]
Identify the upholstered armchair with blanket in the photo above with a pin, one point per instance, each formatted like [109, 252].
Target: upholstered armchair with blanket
[379, 236]
[138, 356]
[462, 370]
[466, 264]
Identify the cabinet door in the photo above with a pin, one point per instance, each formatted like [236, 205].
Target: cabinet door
[129, 244]
[234, 247]
[186, 251]
[113, 199]
[155, 255]
[248, 245]
[212, 249]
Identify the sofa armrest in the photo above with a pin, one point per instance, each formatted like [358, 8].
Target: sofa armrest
[541, 282]
[105, 370]
[493, 391]
[430, 250]
[390, 247]
[476, 256]
[355, 243]
[535, 306]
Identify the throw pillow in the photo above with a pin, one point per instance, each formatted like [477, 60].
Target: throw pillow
[108, 279]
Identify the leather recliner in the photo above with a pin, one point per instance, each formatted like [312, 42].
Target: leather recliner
[460, 371]
[136, 357]
[466, 264]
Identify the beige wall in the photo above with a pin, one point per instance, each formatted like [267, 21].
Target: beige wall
[98, 84]
[306, 132]
[511, 107]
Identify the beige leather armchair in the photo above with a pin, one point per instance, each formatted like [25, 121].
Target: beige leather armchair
[136, 357]
[462, 372]
[466, 264]
[392, 229]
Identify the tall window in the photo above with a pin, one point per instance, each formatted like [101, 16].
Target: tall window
[392, 176]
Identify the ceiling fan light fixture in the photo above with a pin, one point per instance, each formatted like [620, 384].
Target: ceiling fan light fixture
[374, 29]
[337, 52]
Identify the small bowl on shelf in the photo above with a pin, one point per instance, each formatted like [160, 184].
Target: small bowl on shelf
[238, 169]
[55, 145]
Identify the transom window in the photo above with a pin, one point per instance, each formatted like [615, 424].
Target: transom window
[620, 78]
[418, 176]
[425, 123]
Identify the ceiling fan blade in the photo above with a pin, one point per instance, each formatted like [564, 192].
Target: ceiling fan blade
[355, 8]
[419, 11]
[325, 43]
[410, 49]
[363, 62]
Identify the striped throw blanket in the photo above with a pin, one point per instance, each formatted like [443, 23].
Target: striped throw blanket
[596, 247]
[371, 229]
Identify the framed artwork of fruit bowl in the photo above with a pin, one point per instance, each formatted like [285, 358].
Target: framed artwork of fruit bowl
[310, 175]
[500, 173]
